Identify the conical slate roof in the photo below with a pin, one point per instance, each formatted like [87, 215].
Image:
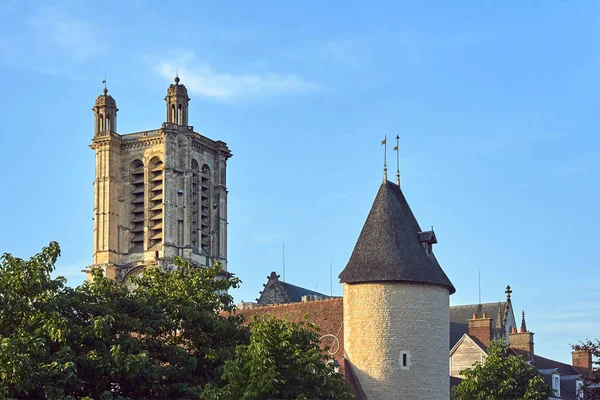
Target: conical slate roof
[388, 248]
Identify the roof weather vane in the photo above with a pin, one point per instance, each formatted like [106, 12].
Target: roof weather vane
[397, 160]
[384, 143]
[104, 82]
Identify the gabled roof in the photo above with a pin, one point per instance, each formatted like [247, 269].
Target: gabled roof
[460, 315]
[296, 292]
[389, 248]
[466, 337]
[278, 292]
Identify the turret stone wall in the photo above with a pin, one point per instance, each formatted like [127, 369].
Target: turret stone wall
[381, 320]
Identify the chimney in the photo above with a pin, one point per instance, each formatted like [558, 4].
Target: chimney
[481, 329]
[582, 361]
[522, 342]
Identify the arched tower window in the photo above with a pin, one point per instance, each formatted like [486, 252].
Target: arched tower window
[180, 114]
[173, 114]
[156, 203]
[205, 189]
[100, 123]
[108, 124]
[195, 205]
[137, 206]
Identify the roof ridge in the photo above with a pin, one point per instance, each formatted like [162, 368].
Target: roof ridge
[478, 304]
[329, 298]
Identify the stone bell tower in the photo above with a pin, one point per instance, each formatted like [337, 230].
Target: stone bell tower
[158, 194]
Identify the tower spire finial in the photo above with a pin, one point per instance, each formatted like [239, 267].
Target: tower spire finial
[104, 82]
[384, 143]
[523, 325]
[397, 160]
[508, 292]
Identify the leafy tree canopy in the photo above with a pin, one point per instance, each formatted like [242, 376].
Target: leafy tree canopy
[172, 336]
[165, 339]
[503, 376]
[282, 361]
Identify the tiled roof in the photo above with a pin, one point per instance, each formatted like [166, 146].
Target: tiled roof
[388, 248]
[459, 316]
[296, 292]
[328, 314]
[279, 292]
[546, 363]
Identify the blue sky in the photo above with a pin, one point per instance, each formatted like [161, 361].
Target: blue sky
[495, 103]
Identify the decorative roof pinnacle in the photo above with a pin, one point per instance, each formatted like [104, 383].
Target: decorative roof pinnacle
[523, 325]
[508, 292]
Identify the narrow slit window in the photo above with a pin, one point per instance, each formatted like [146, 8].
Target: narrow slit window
[405, 362]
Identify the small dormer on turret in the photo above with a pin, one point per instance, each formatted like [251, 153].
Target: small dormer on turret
[177, 104]
[427, 240]
[105, 114]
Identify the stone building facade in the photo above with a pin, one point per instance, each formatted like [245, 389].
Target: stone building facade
[158, 194]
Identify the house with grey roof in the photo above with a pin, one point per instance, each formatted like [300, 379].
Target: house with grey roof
[495, 321]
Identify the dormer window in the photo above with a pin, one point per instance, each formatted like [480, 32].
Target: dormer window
[579, 389]
[427, 240]
[556, 384]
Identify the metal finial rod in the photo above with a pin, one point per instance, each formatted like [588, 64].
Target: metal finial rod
[384, 143]
[397, 160]
[283, 260]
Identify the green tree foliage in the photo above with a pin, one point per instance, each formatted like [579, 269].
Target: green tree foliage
[282, 361]
[165, 339]
[591, 383]
[35, 356]
[503, 376]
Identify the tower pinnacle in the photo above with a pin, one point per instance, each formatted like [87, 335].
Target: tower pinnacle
[105, 113]
[177, 103]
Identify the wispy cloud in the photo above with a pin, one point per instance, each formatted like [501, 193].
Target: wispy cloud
[344, 52]
[66, 33]
[201, 78]
[50, 39]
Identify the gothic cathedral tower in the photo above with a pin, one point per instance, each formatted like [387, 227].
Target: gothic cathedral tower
[157, 194]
